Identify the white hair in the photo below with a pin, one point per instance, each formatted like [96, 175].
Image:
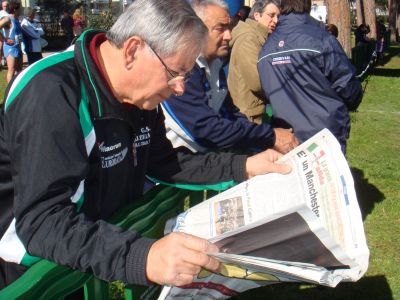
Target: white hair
[163, 24]
[199, 6]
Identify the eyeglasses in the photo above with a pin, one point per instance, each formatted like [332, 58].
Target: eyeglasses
[174, 76]
[272, 15]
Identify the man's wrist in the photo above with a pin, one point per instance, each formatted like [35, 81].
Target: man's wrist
[136, 261]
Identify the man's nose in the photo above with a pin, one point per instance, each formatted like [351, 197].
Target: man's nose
[227, 35]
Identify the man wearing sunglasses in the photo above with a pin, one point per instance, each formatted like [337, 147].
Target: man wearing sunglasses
[204, 118]
[78, 132]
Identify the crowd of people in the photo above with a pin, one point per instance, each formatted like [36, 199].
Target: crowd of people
[19, 35]
[152, 100]
[24, 35]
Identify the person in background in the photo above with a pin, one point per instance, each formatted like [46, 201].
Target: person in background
[361, 34]
[78, 22]
[204, 118]
[247, 39]
[380, 41]
[3, 13]
[12, 37]
[241, 15]
[78, 134]
[32, 31]
[307, 76]
[5, 6]
[332, 28]
[67, 25]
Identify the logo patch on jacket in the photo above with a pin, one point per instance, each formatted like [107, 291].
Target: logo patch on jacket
[281, 60]
[281, 44]
[113, 154]
[143, 138]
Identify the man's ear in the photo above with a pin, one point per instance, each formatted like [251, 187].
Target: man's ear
[257, 16]
[130, 48]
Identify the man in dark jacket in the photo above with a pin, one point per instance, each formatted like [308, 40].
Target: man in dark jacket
[204, 117]
[74, 153]
[307, 76]
[67, 24]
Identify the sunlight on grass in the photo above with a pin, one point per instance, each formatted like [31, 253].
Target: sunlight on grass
[3, 84]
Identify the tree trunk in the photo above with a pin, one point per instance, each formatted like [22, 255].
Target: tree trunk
[394, 19]
[370, 17]
[339, 14]
[360, 12]
[398, 20]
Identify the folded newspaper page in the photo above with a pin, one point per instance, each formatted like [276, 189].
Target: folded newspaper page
[305, 226]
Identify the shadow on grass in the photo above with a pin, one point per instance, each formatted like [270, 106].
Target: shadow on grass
[394, 51]
[367, 288]
[367, 193]
[386, 72]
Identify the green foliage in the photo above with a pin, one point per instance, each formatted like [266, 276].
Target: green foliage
[3, 84]
[104, 20]
[117, 290]
[381, 2]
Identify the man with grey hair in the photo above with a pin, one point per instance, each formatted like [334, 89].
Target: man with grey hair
[204, 117]
[79, 131]
[32, 31]
[247, 40]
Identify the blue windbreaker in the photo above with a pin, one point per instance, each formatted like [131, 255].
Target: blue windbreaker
[308, 78]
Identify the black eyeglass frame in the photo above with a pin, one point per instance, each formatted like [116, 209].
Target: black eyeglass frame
[173, 74]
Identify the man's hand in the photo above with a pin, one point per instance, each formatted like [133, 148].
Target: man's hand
[265, 162]
[285, 140]
[178, 257]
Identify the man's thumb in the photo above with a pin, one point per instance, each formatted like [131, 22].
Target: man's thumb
[281, 168]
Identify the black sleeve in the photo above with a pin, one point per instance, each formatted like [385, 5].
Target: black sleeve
[48, 161]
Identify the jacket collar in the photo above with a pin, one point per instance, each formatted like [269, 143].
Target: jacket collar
[293, 19]
[261, 30]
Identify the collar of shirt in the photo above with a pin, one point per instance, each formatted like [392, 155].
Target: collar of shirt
[217, 92]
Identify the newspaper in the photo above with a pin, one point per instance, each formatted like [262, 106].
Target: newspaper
[305, 226]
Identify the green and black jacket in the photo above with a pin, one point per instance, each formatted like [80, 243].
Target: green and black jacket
[71, 155]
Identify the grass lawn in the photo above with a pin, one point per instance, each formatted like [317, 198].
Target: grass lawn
[3, 84]
[373, 154]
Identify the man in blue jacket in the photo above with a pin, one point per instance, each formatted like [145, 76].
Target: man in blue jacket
[204, 117]
[307, 76]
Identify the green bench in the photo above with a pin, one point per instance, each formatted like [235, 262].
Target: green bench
[47, 280]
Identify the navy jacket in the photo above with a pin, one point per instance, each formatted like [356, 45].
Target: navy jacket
[191, 122]
[308, 78]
